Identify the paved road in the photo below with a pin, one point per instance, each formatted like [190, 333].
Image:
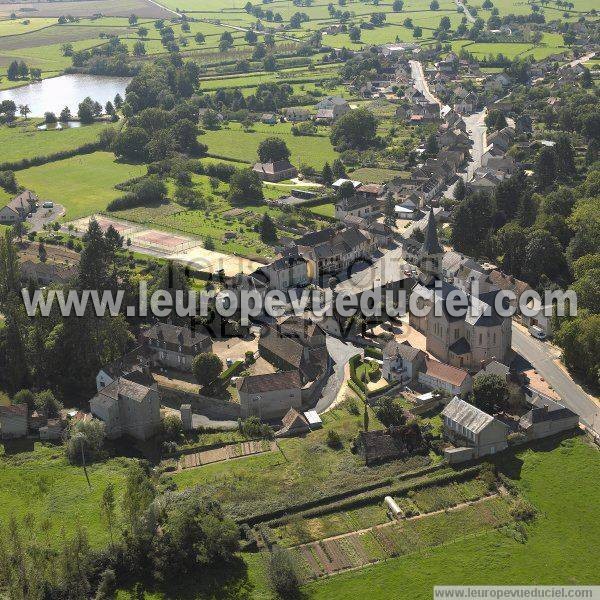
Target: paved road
[340, 351]
[419, 81]
[477, 132]
[579, 61]
[542, 358]
[466, 11]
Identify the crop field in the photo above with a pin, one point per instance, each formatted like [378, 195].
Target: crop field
[82, 184]
[26, 141]
[396, 539]
[85, 8]
[420, 501]
[49, 58]
[234, 142]
[41, 482]
[20, 26]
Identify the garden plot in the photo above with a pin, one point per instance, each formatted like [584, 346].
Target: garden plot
[205, 457]
[357, 549]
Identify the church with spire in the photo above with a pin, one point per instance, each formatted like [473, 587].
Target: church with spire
[469, 341]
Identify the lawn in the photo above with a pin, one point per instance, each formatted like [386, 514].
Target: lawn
[43, 483]
[26, 141]
[233, 142]
[83, 184]
[561, 481]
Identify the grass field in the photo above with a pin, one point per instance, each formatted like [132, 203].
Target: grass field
[42, 483]
[304, 469]
[561, 483]
[234, 142]
[26, 141]
[82, 184]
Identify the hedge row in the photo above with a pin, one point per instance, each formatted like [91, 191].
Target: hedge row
[373, 352]
[332, 498]
[356, 389]
[36, 161]
[229, 372]
[377, 495]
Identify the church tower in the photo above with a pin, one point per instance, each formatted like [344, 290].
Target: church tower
[431, 253]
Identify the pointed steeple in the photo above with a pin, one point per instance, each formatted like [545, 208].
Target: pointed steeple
[431, 245]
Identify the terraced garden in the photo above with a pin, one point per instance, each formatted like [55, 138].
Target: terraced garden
[397, 539]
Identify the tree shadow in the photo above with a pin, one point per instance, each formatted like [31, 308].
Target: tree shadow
[229, 581]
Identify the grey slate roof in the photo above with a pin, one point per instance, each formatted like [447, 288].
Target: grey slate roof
[270, 382]
[431, 244]
[404, 350]
[467, 415]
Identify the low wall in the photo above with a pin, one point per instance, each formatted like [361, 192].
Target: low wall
[213, 408]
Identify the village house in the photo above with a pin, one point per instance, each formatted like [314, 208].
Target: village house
[127, 408]
[18, 208]
[547, 417]
[283, 273]
[13, 421]
[437, 375]
[472, 431]
[134, 365]
[401, 362]
[174, 346]
[330, 250]
[330, 109]
[268, 118]
[275, 171]
[293, 423]
[269, 396]
[288, 353]
[296, 114]
[355, 206]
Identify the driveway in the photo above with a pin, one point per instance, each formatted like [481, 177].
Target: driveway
[543, 357]
[43, 216]
[341, 352]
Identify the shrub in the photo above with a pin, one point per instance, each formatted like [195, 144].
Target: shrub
[88, 435]
[522, 510]
[334, 440]
[282, 573]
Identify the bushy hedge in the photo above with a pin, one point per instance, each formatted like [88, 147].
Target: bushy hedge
[373, 352]
[229, 372]
[309, 507]
[377, 495]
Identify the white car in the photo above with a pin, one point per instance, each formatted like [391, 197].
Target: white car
[537, 332]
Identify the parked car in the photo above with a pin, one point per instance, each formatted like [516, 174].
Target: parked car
[537, 332]
[48, 205]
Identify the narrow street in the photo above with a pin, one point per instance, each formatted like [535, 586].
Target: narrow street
[543, 359]
[466, 11]
[419, 81]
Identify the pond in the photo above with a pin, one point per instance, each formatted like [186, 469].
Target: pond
[52, 95]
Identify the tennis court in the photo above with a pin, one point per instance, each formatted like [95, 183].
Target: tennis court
[162, 241]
